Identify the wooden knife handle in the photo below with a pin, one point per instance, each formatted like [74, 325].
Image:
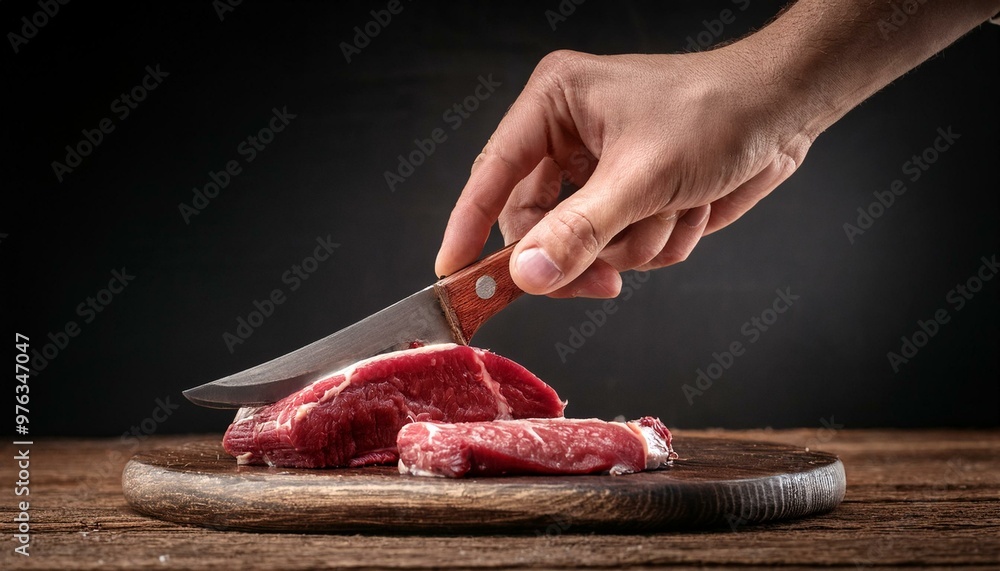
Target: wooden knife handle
[476, 293]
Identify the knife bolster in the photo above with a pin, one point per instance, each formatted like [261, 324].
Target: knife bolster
[462, 293]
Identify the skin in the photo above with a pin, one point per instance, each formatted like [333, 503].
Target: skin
[664, 149]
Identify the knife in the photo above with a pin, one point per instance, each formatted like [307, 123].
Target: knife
[448, 311]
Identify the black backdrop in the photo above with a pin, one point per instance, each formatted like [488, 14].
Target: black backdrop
[822, 362]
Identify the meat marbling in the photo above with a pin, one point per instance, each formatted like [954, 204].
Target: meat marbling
[352, 418]
[534, 446]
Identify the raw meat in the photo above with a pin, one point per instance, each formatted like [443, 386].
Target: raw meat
[352, 417]
[535, 446]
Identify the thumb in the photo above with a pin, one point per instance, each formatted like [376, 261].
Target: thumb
[564, 243]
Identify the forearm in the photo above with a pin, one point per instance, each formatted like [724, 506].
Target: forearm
[686, 144]
[825, 57]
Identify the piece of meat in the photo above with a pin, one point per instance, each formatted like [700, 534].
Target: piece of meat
[352, 417]
[534, 446]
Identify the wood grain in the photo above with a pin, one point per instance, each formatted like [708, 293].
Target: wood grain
[915, 498]
[715, 482]
[465, 309]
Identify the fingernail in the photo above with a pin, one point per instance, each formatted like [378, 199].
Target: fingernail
[696, 216]
[536, 268]
[601, 287]
[477, 161]
[595, 290]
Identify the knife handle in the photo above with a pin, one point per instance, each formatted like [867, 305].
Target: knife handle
[477, 292]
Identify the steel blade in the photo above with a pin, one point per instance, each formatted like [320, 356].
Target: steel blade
[418, 317]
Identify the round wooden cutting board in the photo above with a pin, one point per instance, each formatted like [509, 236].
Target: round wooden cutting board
[715, 482]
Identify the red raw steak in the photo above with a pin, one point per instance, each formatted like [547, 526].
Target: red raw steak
[352, 418]
[535, 446]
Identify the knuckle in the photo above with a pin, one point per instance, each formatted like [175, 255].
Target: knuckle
[643, 252]
[513, 227]
[492, 158]
[475, 209]
[679, 257]
[669, 257]
[559, 71]
[561, 63]
[576, 230]
[506, 224]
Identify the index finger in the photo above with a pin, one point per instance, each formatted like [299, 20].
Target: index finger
[520, 142]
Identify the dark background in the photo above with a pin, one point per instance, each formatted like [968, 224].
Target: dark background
[823, 362]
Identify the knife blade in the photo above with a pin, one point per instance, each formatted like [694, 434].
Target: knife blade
[449, 311]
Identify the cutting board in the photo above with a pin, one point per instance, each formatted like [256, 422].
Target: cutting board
[716, 482]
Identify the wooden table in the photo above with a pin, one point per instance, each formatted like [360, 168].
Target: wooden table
[914, 498]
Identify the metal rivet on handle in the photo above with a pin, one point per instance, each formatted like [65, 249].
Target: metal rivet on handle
[486, 287]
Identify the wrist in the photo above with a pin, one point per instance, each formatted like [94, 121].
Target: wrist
[791, 83]
[773, 99]
[819, 59]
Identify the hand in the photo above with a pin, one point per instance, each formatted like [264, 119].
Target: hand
[667, 148]
[663, 148]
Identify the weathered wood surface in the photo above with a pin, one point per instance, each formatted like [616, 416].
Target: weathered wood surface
[715, 481]
[914, 498]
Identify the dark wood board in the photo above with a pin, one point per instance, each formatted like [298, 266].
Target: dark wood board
[927, 499]
[716, 482]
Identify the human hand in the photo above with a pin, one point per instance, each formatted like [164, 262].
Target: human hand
[663, 148]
